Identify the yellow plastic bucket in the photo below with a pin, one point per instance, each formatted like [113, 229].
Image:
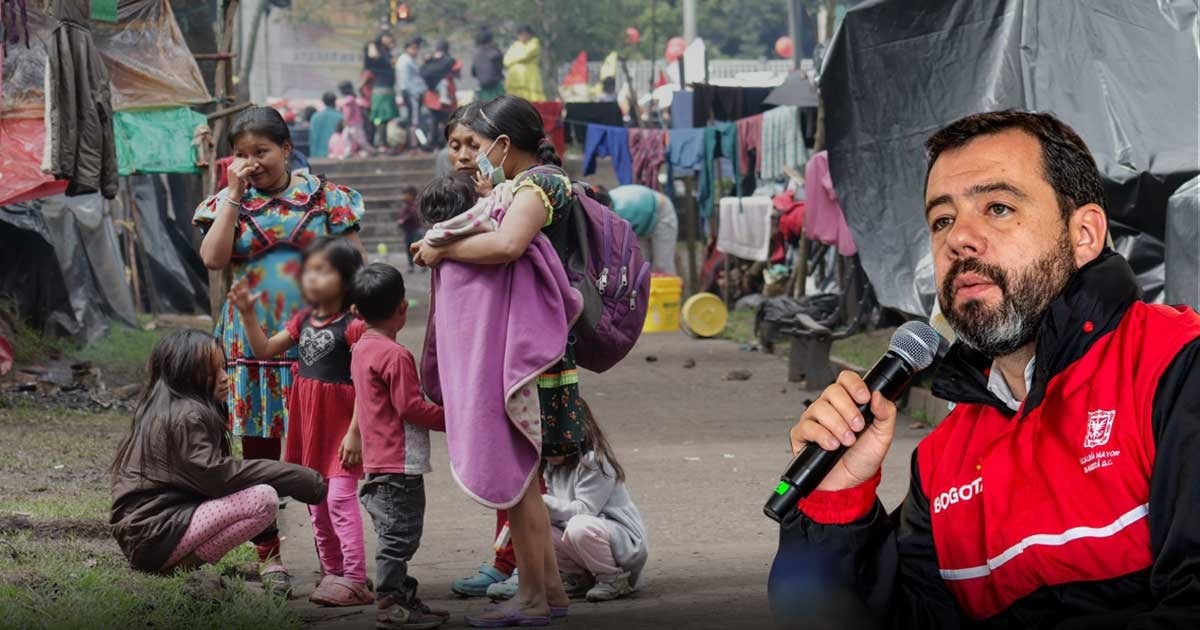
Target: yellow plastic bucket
[705, 315]
[663, 313]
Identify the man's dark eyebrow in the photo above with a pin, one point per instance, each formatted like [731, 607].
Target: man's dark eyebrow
[983, 189]
[979, 189]
[935, 202]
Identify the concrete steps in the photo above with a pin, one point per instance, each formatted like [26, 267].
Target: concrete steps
[379, 180]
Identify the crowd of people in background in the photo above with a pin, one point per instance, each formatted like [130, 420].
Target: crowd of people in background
[403, 97]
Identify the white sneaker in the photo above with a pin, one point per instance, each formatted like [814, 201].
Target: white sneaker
[610, 587]
[506, 590]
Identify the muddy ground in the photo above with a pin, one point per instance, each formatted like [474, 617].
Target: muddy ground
[702, 454]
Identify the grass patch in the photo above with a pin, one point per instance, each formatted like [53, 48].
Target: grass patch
[122, 352]
[29, 346]
[68, 572]
[740, 327]
[863, 349]
[68, 584]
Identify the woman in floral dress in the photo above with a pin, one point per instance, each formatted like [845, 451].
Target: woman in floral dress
[257, 227]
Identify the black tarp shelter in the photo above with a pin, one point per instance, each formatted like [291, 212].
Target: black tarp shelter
[1123, 73]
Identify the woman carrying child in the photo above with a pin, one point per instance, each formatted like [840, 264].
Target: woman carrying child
[322, 434]
[180, 499]
[256, 227]
[517, 149]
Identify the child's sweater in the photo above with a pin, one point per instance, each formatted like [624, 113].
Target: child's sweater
[589, 489]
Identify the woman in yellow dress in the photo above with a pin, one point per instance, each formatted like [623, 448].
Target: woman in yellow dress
[522, 65]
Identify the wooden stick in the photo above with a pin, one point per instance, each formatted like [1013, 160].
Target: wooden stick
[693, 220]
[220, 56]
[229, 111]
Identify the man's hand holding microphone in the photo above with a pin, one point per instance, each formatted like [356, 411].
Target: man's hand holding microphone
[842, 438]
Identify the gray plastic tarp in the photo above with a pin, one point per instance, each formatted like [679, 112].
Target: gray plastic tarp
[1122, 73]
[1183, 245]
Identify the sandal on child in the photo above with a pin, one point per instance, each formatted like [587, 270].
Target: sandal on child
[276, 581]
[508, 618]
[338, 591]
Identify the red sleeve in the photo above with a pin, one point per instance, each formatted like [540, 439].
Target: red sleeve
[354, 331]
[294, 324]
[841, 507]
[407, 396]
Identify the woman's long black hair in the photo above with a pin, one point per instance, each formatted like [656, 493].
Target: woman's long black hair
[180, 369]
[514, 117]
[595, 442]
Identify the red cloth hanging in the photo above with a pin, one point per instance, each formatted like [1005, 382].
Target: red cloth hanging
[552, 123]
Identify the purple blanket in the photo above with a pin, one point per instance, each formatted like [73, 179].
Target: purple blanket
[493, 329]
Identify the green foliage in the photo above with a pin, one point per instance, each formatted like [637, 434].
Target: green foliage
[122, 352]
[29, 346]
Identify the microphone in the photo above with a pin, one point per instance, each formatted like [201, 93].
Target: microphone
[913, 348]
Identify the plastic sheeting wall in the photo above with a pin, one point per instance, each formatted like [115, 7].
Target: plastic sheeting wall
[1183, 245]
[1123, 74]
[77, 233]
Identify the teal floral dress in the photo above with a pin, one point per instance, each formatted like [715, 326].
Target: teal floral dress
[269, 237]
[558, 387]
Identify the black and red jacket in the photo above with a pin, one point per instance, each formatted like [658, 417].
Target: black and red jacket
[1081, 509]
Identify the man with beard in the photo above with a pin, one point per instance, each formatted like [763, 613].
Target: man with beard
[1063, 490]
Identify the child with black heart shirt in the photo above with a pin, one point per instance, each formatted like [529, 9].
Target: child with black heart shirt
[322, 433]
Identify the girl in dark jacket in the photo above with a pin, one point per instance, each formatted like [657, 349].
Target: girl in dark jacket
[179, 497]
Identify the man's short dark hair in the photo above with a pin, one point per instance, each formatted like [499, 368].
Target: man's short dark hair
[410, 190]
[1067, 163]
[447, 197]
[330, 99]
[378, 291]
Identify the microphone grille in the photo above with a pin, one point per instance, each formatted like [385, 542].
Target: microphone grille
[918, 342]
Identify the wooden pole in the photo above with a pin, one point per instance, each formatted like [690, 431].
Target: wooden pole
[140, 248]
[218, 280]
[693, 219]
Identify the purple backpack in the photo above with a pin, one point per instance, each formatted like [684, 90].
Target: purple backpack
[606, 265]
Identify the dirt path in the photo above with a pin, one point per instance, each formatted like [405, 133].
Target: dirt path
[701, 453]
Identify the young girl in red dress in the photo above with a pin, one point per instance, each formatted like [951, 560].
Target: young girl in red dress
[322, 434]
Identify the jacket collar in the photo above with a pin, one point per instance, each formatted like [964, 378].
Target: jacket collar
[1091, 305]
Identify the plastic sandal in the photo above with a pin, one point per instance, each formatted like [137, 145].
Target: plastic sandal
[338, 591]
[510, 618]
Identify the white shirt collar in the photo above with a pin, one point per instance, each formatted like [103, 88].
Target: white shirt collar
[1000, 389]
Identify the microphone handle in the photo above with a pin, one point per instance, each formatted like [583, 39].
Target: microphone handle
[889, 376]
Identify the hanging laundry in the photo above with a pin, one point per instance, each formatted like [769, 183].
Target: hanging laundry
[745, 229]
[824, 220]
[578, 116]
[80, 147]
[720, 141]
[686, 149]
[791, 215]
[682, 110]
[726, 103]
[749, 131]
[649, 149]
[605, 141]
[552, 123]
[782, 144]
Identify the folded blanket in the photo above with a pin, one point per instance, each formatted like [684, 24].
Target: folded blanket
[498, 328]
[484, 216]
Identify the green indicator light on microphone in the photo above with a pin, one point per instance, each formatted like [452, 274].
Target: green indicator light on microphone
[782, 488]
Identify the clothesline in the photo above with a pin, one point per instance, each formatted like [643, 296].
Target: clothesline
[774, 136]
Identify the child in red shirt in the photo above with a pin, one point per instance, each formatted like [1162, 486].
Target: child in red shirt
[394, 420]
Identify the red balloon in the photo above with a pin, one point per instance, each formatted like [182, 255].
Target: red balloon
[783, 47]
[675, 47]
[632, 36]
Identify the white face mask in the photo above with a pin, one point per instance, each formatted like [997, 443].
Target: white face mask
[494, 173]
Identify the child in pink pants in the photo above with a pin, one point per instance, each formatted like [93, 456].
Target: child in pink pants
[180, 499]
[598, 533]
